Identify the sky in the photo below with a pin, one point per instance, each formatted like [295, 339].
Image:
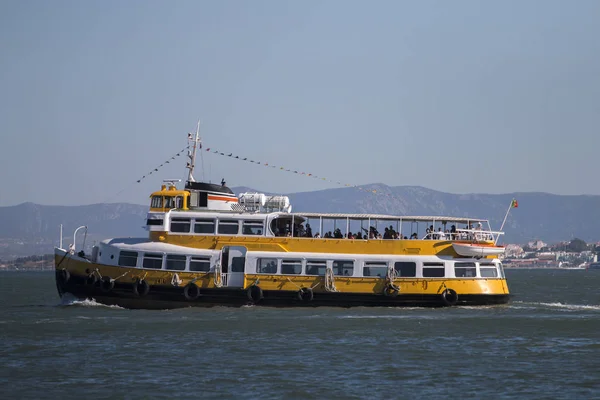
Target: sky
[460, 97]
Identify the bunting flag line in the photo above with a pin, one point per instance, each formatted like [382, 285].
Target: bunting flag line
[168, 161]
[293, 171]
[161, 165]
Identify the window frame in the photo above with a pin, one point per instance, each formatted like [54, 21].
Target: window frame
[123, 256]
[260, 267]
[180, 256]
[180, 221]
[206, 222]
[291, 262]
[431, 266]
[375, 264]
[199, 259]
[153, 256]
[228, 222]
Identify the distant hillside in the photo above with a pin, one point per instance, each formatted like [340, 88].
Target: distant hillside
[29, 228]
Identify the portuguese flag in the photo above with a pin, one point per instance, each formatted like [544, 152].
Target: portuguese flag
[514, 203]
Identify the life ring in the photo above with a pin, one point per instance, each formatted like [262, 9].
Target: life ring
[191, 291]
[305, 294]
[449, 297]
[107, 284]
[255, 294]
[91, 279]
[391, 290]
[63, 275]
[140, 287]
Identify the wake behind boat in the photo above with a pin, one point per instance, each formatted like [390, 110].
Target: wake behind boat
[206, 247]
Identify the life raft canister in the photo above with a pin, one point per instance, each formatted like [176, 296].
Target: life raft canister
[305, 294]
[140, 287]
[107, 284]
[449, 297]
[255, 294]
[191, 291]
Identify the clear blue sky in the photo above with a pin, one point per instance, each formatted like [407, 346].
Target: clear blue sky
[457, 96]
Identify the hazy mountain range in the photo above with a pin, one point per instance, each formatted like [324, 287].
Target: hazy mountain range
[28, 228]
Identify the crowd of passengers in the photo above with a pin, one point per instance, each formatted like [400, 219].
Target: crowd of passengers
[390, 233]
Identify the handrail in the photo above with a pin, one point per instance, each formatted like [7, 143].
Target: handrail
[75, 234]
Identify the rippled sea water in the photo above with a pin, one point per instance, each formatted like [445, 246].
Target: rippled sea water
[545, 344]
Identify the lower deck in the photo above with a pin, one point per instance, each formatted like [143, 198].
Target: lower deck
[133, 287]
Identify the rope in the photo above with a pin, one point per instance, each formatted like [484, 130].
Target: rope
[97, 273]
[218, 276]
[389, 279]
[120, 276]
[175, 281]
[294, 283]
[330, 281]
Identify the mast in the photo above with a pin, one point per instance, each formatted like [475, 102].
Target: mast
[193, 143]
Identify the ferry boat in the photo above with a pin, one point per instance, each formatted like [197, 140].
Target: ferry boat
[208, 247]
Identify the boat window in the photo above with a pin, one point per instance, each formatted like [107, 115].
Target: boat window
[237, 264]
[128, 258]
[291, 267]
[175, 262]
[433, 270]
[465, 270]
[488, 270]
[157, 202]
[200, 264]
[169, 202]
[204, 226]
[316, 267]
[266, 266]
[252, 228]
[501, 270]
[180, 225]
[228, 227]
[405, 269]
[152, 260]
[151, 222]
[343, 267]
[378, 269]
[179, 202]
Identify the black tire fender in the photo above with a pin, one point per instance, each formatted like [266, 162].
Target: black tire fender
[305, 294]
[63, 275]
[107, 284]
[255, 294]
[140, 287]
[191, 291]
[449, 297]
[91, 279]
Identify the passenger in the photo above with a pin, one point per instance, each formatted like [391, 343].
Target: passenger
[392, 231]
[308, 231]
[441, 235]
[453, 235]
[317, 235]
[387, 234]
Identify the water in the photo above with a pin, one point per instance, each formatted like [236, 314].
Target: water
[544, 345]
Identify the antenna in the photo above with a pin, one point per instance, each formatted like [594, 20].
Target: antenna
[194, 143]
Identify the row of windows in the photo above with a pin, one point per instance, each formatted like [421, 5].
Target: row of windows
[404, 269]
[167, 202]
[172, 262]
[224, 226]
